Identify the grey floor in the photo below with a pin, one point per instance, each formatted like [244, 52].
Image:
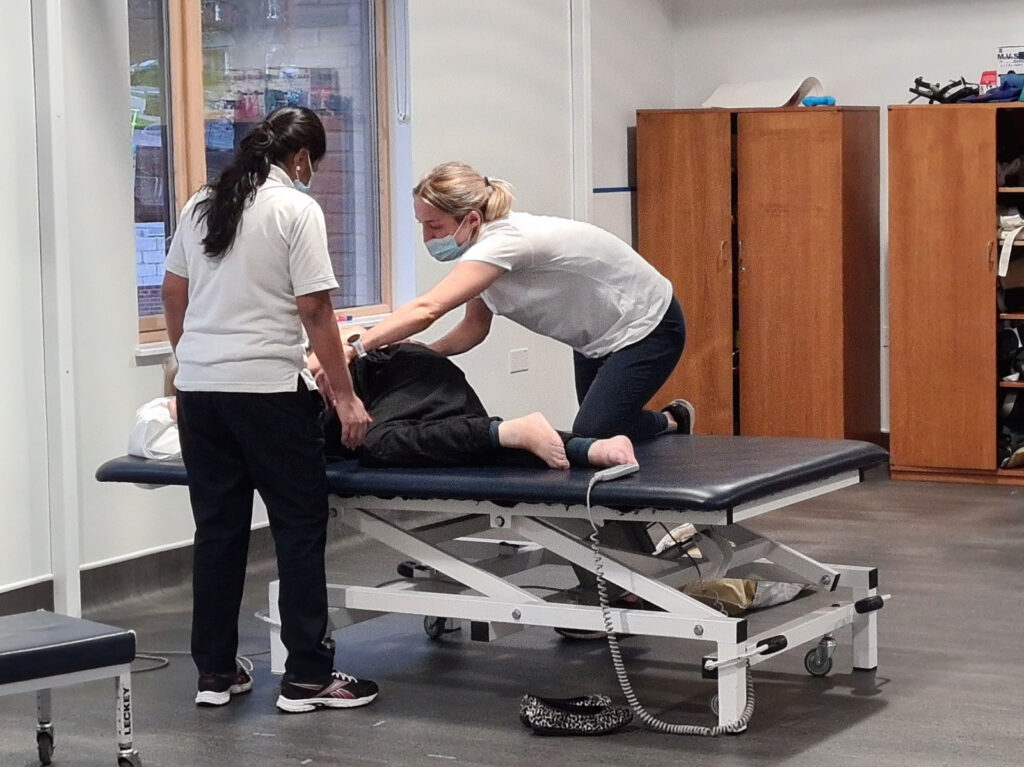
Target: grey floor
[948, 689]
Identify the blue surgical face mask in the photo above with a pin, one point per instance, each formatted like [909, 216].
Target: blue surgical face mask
[298, 184]
[446, 248]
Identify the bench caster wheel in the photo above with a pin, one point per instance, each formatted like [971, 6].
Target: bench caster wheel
[818, 661]
[713, 703]
[44, 747]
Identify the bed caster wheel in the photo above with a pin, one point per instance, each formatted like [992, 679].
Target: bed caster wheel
[44, 747]
[815, 666]
[436, 627]
[818, 661]
[713, 703]
[409, 568]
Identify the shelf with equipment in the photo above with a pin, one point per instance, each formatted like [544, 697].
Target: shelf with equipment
[949, 307]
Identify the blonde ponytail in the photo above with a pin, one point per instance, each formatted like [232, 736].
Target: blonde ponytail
[455, 188]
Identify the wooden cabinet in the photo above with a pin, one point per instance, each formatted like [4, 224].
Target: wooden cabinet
[766, 222]
[943, 251]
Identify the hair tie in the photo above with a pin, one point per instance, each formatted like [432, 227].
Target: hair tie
[487, 181]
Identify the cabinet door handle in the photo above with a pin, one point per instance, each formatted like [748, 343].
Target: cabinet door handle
[739, 256]
[991, 253]
[722, 263]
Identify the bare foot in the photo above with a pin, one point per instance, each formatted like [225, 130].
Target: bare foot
[533, 432]
[611, 452]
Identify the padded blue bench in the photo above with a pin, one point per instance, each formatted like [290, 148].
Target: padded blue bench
[42, 650]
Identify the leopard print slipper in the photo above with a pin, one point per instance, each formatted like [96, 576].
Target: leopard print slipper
[583, 715]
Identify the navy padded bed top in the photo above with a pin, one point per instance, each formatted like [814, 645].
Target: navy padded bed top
[684, 473]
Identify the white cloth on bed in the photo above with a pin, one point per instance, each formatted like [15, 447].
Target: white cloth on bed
[155, 432]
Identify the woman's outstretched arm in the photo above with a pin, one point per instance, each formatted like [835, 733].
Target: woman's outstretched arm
[467, 280]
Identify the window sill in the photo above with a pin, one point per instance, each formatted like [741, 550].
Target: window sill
[157, 352]
[367, 321]
[153, 353]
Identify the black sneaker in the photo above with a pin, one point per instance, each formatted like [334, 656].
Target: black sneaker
[683, 414]
[217, 689]
[337, 691]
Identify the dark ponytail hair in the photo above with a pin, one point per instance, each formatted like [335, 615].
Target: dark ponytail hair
[281, 134]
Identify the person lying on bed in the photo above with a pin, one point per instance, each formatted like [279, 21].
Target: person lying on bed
[425, 413]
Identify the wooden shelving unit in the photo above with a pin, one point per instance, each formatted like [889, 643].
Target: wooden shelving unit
[944, 408]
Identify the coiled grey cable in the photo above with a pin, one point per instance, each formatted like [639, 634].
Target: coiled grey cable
[160, 659]
[642, 714]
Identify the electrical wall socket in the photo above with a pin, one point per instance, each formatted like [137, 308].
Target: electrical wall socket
[518, 360]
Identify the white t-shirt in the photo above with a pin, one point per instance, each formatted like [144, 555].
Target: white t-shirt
[571, 281]
[242, 329]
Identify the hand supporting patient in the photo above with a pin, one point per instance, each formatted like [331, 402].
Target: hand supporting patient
[330, 358]
[354, 420]
[351, 412]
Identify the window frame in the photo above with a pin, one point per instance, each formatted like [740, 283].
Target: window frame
[188, 140]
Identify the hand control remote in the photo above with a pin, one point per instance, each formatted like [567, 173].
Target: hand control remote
[614, 472]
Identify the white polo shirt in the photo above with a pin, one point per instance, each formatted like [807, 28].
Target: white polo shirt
[571, 281]
[242, 330]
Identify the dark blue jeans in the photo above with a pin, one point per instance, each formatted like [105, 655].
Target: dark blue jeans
[612, 390]
[233, 444]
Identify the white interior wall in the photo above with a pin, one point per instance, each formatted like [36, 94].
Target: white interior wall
[491, 87]
[866, 52]
[24, 544]
[630, 45]
[117, 521]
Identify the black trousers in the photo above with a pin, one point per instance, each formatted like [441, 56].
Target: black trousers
[613, 390]
[233, 444]
[424, 410]
[424, 413]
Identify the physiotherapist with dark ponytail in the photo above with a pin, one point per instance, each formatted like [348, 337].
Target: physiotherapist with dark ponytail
[247, 270]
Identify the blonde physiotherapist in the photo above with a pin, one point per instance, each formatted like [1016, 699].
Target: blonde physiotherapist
[247, 269]
[564, 279]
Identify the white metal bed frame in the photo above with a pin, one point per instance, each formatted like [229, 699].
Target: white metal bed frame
[556, 533]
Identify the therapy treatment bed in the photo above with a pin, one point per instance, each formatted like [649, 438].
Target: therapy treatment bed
[715, 483]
